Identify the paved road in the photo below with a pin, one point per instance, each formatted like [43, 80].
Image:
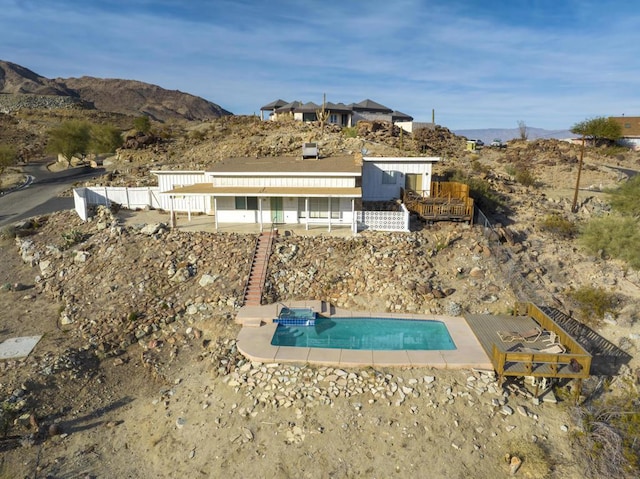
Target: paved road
[39, 195]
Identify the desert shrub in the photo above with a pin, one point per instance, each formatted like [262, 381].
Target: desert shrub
[142, 123]
[478, 167]
[626, 198]
[594, 302]
[521, 174]
[559, 226]
[350, 132]
[535, 460]
[614, 150]
[525, 177]
[71, 238]
[480, 190]
[607, 437]
[511, 170]
[615, 236]
[197, 135]
[8, 232]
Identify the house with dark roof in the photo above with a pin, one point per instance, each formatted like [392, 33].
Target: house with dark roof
[630, 131]
[339, 113]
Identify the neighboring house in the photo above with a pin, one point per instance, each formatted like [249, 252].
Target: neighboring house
[332, 191]
[339, 113]
[630, 131]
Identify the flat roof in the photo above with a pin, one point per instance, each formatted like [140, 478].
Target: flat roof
[332, 165]
[209, 189]
[402, 159]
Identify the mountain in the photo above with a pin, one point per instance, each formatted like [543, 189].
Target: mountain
[506, 134]
[127, 97]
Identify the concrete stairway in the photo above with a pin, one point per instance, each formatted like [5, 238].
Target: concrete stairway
[258, 273]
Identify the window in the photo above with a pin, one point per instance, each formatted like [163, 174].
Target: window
[389, 177]
[319, 208]
[333, 118]
[246, 203]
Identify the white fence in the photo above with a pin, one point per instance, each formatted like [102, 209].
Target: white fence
[384, 220]
[130, 198]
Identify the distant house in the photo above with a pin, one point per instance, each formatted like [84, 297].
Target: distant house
[630, 131]
[339, 113]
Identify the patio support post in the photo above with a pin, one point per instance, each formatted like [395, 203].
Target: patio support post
[354, 222]
[306, 207]
[172, 217]
[260, 213]
[329, 214]
[189, 208]
[215, 211]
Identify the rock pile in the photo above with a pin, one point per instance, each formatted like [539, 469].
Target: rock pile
[119, 285]
[443, 270]
[10, 103]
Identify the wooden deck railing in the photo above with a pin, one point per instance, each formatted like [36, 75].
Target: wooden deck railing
[574, 363]
[448, 200]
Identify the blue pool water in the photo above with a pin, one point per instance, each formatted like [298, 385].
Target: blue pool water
[366, 333]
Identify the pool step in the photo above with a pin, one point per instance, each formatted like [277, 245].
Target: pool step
[295, 322]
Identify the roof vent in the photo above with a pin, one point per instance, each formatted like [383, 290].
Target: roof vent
[309, 150]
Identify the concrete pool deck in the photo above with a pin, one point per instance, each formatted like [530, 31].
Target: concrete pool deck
[254, 341]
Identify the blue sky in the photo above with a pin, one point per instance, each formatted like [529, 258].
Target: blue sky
[479, 64]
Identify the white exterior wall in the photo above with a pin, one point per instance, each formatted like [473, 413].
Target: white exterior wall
[287, 181]
[228, 214]
[168, 180]
[410, 126]
[374, 190]
[633, 143]
[370, 116]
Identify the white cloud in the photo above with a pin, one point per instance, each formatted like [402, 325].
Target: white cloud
[477, 66]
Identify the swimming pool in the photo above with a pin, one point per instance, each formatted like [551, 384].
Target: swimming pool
[366, 333]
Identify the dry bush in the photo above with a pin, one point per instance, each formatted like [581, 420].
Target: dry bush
[535, 460]
[559, 226]
[607, 437]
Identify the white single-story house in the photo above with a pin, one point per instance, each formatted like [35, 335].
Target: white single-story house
[332, 191]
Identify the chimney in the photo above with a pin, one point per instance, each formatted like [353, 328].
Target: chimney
[309, 150]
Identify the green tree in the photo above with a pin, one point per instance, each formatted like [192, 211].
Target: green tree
[69, 139]
[142, 123]
[104, 139]
[598, 129]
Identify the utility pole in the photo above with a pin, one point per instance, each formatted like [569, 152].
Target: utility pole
[575, 194]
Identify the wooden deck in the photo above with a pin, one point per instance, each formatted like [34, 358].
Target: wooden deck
[446, 201]
[509, 360]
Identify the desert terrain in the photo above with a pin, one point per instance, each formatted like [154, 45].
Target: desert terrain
[137, 374]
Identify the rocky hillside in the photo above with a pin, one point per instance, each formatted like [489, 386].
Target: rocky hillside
[23, 88]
